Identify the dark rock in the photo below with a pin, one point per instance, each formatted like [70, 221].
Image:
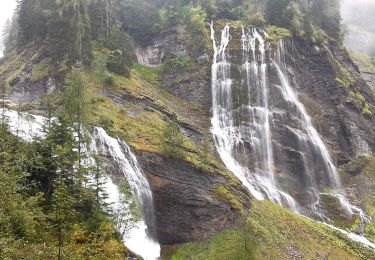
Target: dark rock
[186, 207]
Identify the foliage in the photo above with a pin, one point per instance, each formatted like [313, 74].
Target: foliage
[106, 122]
[140, 19]
[196, 26]
[48, 213]
[345, 80]
[115, 63]
[39, 72]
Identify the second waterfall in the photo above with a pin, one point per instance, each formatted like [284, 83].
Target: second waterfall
[263, 132]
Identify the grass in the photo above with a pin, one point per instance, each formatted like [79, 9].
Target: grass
[39, 72]
[271, 232]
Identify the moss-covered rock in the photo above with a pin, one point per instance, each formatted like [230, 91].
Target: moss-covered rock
[271, 232]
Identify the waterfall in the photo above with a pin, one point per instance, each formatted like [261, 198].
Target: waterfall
[24, 125]
[230, 137]
[254, 121]
[138, 239]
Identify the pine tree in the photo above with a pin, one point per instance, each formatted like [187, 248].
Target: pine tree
[75, 104]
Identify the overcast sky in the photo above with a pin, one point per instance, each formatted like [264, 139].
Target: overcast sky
[6, 10]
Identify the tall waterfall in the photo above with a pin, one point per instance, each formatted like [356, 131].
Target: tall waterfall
[259, 126]
[236, 126]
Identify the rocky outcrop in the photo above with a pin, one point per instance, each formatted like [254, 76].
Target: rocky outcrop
[186, 205]
[346, 130]
[185, 71]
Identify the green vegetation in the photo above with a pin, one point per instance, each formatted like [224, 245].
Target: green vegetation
[271, 232]
[225, 195]
[48, 212]
[344, 78]
[39, 72]
[196, 26]
[172, 139]
[276, 34]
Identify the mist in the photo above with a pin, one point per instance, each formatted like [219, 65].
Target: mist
[359, 19]
[6, 11]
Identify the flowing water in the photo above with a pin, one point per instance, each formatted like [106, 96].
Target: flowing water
[231, 134]
[264, 134]
[138, 239]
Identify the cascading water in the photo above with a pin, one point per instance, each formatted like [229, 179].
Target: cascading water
[230, 133]
[258, 124]
[138, 239]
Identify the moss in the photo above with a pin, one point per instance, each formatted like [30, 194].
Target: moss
[271, 232]
[39, 72]
[225, 195]
[275, 34]
[360, 102]
[344, 78]
[150, 74]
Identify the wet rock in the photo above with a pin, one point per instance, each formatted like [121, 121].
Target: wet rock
[186, 207]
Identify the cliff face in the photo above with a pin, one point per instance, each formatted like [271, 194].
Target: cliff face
[192, 201]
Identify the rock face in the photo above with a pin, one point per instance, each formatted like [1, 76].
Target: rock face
[165, 45]
[186, 71]
[346, 130]
[187, 209]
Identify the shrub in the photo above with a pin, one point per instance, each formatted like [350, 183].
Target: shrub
[196, 26]
[106, 122]
[39, 72]
[109, 80]
[115, 63]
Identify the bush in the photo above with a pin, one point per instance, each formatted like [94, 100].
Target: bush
[115, 63]
[256, 19]
[39, 72]
[181, 62]
[106, 122]
[109, 80]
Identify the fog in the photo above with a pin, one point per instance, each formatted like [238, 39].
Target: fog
[359, 18]
[6, 11]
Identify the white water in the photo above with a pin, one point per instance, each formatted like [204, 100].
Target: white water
[24, 125]
[137, 239]
[232, 131]
[28, 127]
[228, 137]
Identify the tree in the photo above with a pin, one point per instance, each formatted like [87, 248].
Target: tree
[75, 104]
[327, 15]
[196, 26]
[76, 13]
[275, 10]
